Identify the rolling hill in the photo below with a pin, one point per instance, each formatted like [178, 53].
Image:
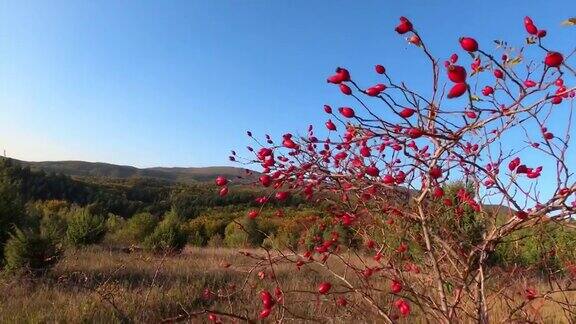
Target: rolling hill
[106, 170]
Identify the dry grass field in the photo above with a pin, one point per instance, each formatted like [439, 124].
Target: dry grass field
[98, 285]
[95, 285]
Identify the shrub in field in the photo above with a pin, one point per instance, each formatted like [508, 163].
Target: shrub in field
[11, 212]
[270, 242]
[215, 226]
[55, 206]
[114, 226]
[114, 223]
[267, 225]
[31, 251]
[168, 236]
[435, 181]
[243, 233]
[49, 216]
[49, 207]
[549, 248]
[54, 226]
[197, 233]
[85, 228]
[289, 233]
[235, 236]
[138, 227]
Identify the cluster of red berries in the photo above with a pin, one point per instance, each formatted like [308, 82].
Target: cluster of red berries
[355, 152]
[456, 74]
[532, 29]
[531, 173]
[552, 59]
[561, 92]
[222, 182]
[268, 302]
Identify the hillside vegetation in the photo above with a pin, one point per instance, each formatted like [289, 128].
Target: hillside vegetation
[104, 249]
[106, 170]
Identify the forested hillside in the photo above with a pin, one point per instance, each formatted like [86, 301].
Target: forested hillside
[121, 195]
[34, 199]
[129, 211]
[106, 170]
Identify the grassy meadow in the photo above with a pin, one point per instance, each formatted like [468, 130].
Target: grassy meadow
[99, 285]
[96, 284]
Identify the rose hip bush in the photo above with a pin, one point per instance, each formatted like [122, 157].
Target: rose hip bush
[421, 188]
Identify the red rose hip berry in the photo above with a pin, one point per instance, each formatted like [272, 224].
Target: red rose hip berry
[469, 44]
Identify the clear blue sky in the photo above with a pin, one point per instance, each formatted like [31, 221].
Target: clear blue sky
[177, 83]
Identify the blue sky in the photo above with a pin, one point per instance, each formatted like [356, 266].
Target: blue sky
[177, 83]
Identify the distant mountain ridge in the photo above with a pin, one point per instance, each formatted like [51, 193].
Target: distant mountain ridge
[170, 174]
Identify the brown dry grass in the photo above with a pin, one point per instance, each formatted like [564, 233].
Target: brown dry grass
[96, 285]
